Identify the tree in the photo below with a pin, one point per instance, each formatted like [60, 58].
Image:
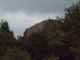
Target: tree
[53, 58]
[54, 28]
[71, 38]
[72, 18]
[6, 37]
[38, 45]
[4, 26]
[43, 59]
[16, 54]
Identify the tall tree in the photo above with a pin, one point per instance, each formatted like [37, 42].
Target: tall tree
[4, 26]
[71, 27]
[6, 37]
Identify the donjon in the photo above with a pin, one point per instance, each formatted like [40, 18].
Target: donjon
[44, 25]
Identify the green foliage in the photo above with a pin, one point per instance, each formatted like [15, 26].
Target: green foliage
[4, 26]
[38, 45]
[43, 59]
[6, 37]
[16, 54]
[75, 52]
[71, 38]
[72, 18]
[54, 28]
[63, 39]
[53, 58]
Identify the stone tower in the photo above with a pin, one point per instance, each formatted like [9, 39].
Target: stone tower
[44, 25]
[39, 26]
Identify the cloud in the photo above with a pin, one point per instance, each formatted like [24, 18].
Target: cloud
[35, 5]
[22, 14]
[19, 20]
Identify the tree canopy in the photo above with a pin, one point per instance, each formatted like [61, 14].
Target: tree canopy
[61, 43]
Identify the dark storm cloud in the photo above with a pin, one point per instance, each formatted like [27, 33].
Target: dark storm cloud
[35, 5]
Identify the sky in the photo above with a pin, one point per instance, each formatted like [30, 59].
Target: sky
[21, 14]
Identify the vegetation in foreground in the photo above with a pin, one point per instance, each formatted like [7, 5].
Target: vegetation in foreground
[63, 42]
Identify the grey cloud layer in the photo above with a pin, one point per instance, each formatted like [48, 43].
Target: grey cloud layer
[22, 14]
[35, 5]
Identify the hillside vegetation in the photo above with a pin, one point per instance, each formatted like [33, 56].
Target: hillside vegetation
[62, 43]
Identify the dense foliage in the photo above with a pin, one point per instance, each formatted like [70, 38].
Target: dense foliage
[61, 43]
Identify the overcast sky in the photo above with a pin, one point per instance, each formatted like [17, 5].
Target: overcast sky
[22, 14]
